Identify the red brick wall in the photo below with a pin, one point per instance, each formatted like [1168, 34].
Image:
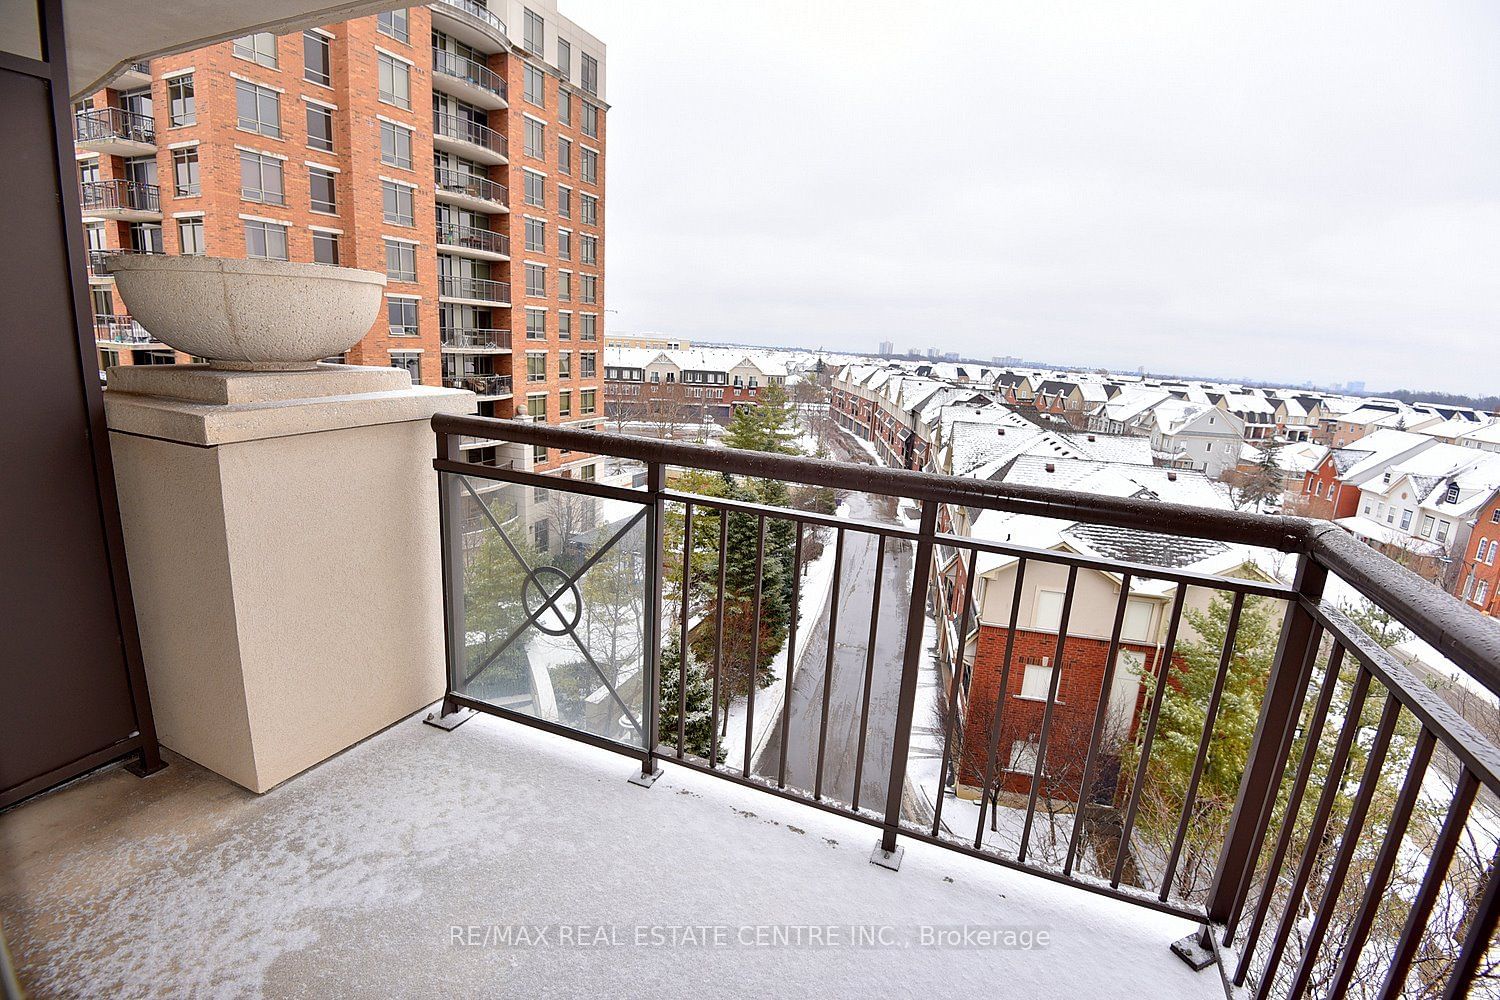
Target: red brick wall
[1338, 500]
[1487, 531]
[1021, 719]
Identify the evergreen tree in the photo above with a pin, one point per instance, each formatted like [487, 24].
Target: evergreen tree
[698, 729]
[1262, 481]
[770, 425]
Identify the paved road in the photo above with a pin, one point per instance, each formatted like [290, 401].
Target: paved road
[805, 704]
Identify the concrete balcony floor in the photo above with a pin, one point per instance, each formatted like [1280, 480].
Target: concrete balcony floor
[350, 879]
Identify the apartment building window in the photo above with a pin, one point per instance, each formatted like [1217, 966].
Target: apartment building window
[141, 170]
[564, 105]
[182, 107]
[565, 326]
[185, 182]
[588, 291]
[588, 166]
[88, 171]
[535, 31]
[258, 108]
[320, 127]
[259, 48]
[261, 178]
[588, 364]
[588, 209]
[565, 244]
[190, 237]
[321, 185]
[395, 81]
[400, 261]
[532, 89]
[535, 138]
[565, 285]
[395, 145]
[536, 324]
[564, 60]
[396, 200]
[586, 401]
[565, 403]
[565, 155]
[565, 201]
[590, 120]
[536, 366]
[565, 364]
[266, 240]
[590, 74]
[146, 237]
[401, 315]
[536, 281]
[394, 24]
[325, 247]
[588, 327]
[589, 249]
[410, 362]
[536, 235]
[317, 66]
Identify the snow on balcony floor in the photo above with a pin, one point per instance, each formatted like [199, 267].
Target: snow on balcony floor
[351, 880]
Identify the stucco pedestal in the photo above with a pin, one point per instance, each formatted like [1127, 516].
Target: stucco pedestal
[281, 530]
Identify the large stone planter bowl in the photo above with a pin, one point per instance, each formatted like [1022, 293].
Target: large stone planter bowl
[248, 315]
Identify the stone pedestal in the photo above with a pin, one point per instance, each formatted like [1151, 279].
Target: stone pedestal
[281, 530]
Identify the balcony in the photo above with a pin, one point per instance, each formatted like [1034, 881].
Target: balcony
[467, 79]
[130, 201]
[469, 139]
[473, 291]
[97, 258]
[481, 385]
[114, 132]
[118, 329]
[470, 22]
[468, 241]
[480, 194]
[476, 340]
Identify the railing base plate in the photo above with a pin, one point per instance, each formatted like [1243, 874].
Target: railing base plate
[452, 720]
[1192, 951]
[884, 859]
[645, 780]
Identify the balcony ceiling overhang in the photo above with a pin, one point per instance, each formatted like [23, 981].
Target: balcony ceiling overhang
[104, 36]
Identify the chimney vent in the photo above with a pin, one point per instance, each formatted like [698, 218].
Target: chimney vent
[1002, 432]
[1091, 437]
[1051, 467]
[1171, 477]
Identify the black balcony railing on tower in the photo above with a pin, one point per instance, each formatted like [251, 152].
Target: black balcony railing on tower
[113, 123]
[1275, 774]
[475, 337]
[101, 196]
[477, 11]
[465, 130]
[458, 182]
[98, 257]
[458, 286]
[469, 70]
[485, 240]
[483, 385]
[118, 328]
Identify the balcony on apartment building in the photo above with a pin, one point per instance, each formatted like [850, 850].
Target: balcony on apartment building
[471, 22]
[464, 137]
[467, 79]
[114, 132]
[128, 201]
[479, 194]
[475, 340]
[462, 289]
[118, 328]
[97, 258]
[483, 386]
[470, 241]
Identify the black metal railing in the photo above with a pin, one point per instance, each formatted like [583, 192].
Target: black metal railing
[471, 185]
[451, 234]
[465, 130]
[97, 259]
[119, 194]
[475, 337]
[483, 385]
[97, 124]
[458, 286]
[118, 328]
[477, 11]
[468, 70]
[1230, 749]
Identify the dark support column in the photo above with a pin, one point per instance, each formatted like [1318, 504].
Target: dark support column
[651, 693]
[887, 854]
[450, 528]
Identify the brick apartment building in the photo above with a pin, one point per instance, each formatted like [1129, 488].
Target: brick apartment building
[458, 148]
[1478, 577]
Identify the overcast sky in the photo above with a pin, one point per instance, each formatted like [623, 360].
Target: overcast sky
[1281, 191]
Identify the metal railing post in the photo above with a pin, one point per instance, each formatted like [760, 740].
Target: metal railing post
[651, 688]
[887, 854]
[450, 544]
[1280, 710]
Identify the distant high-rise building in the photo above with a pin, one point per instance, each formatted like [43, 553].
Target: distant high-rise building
[887, 348]
[932, 354]
[1356, 386]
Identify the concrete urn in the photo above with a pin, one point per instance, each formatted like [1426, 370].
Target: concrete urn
[249, 315]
